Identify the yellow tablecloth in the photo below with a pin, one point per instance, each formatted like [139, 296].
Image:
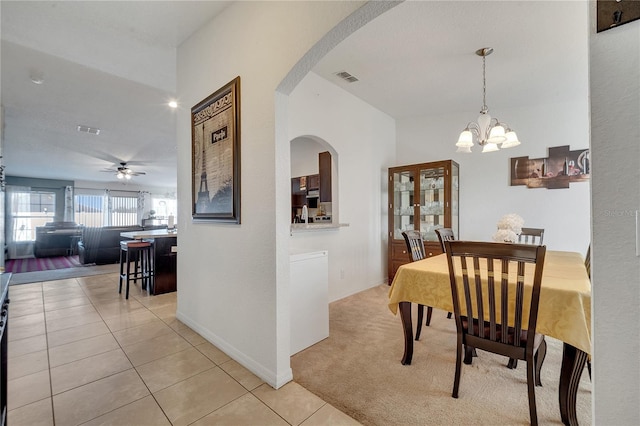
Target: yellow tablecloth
[565, 297]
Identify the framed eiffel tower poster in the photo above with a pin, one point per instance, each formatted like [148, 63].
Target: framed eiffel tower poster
[215, 155]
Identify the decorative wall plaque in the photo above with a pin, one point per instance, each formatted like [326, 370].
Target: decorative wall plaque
[560, 168]
[613, 13]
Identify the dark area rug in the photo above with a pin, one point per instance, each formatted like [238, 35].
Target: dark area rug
[17, 266]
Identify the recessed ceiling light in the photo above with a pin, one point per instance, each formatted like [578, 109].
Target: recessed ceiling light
[87, 129]
[173, 104]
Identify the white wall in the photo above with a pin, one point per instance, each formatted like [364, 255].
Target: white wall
[233, 279]
[304, 156]
[615, 146]
[364, 139]
[485, 193]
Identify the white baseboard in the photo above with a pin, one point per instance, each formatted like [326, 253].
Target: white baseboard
[267, 375]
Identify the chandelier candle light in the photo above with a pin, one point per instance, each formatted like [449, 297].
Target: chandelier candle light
[488, 131]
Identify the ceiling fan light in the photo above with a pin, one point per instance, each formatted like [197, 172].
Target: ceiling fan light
[490, 147]
[465, 140]
[119, 175]
[128, 176]
[497, 134]
[512, 140]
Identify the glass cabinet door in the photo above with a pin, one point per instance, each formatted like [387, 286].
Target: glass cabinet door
[403, 203]
[455, 188]
[422, 197]
[432, 202]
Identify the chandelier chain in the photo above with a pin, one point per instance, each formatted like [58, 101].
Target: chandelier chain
[484, 84]
[487, 130]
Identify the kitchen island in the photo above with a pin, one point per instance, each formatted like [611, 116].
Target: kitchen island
[164, 257]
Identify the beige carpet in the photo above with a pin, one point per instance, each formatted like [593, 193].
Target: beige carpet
[358, 370]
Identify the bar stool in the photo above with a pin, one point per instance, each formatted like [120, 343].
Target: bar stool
[137, 252]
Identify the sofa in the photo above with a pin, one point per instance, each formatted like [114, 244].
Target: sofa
[101, 245]
[57, 239]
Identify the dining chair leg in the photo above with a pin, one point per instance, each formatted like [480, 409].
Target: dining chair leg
[449, 315]
[456, 380]
[429, 312]
[469, 353]
[589, 368]
[532, 393]
[419, 325]
[539, 359]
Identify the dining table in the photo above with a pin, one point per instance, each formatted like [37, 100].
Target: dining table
[564, 312]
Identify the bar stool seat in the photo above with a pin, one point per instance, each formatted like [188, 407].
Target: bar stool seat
[138, 253]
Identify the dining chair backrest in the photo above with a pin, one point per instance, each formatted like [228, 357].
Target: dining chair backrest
[587, 261]
[415, 248]
[490, 278]
[415, 245]
[587, 265]
[490, 303]
[445, 234]
[531, 236]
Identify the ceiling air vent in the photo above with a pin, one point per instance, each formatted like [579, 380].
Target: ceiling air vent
[87, 129]
[346, 77]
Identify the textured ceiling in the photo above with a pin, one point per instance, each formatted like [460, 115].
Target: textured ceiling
[111, 65]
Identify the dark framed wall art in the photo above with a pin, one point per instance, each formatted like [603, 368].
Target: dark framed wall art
[215, 155]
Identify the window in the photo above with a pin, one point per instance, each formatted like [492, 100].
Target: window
[105, 209]
[164, 207]
[123, 211]
[89, 210]
[29, 209]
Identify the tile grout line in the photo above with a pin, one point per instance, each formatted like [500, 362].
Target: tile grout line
[86, 289]
[133, 367]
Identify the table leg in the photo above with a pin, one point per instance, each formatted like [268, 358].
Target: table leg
[573, 361]
[405, 315]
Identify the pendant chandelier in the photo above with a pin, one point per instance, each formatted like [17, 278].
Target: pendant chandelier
[487, 131]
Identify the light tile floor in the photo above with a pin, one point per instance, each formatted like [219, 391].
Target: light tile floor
[79, 353]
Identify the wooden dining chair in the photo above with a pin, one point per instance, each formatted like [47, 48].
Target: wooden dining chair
[531, 236]
[587, 265]
[587, 261]
[415, 248]
[445, 234]
[490, 304]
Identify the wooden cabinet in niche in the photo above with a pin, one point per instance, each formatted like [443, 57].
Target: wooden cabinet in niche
[324, 166]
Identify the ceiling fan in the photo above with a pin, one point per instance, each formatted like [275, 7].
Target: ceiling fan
[123, 172]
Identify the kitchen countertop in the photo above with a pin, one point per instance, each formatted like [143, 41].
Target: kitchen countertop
[154, 233]
[316, 226]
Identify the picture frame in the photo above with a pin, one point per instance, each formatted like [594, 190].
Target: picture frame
[215, 155]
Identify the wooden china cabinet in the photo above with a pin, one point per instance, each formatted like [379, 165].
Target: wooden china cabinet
[423, 197]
